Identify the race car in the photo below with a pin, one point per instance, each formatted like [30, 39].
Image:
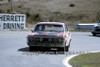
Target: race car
[49, 35]
[96, 30]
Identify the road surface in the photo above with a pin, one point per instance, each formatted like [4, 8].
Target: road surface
[14, 51]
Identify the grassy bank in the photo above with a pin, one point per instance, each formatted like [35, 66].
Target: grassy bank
[86, 60]
[70, 12]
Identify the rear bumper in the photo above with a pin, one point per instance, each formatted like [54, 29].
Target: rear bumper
[45, 44]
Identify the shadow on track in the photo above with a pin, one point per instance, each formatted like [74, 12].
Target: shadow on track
[26, 50]
[98, 35]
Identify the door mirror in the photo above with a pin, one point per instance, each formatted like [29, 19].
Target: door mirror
[31, 30]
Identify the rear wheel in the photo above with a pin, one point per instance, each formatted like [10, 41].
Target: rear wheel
[94, 34]
[36, 48]
[30, 48]
[61, 49]
[33, 48]
[66, 48]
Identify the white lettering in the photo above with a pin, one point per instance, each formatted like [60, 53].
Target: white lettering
[13, 26]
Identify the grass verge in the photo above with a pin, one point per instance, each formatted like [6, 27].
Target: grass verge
[86, 60]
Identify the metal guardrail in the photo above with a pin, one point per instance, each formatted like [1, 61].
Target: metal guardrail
[84, 26]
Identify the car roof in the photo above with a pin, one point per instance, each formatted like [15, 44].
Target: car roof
[60, 23]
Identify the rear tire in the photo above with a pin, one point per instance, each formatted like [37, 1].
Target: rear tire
[94, 34]
[61, 49]
[35, 48]
[30, 48]
[66, 48]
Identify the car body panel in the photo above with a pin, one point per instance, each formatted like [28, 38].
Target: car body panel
[96, 30]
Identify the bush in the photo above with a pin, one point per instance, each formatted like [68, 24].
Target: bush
[8, 11]
[20, 6]
[36, 17]
[27, 14]
[71, 5]
[0, 11]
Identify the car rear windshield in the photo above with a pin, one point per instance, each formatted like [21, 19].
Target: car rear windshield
[49, 28]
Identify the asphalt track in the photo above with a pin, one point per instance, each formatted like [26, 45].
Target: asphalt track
[14, 51]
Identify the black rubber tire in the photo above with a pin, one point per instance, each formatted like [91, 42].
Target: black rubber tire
[61, 49]
[35, 48]
[66, 48]
[30, 48]
[94, 34]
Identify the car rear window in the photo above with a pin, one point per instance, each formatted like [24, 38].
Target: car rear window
[49, 27]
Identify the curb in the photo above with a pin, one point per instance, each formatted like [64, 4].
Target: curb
[67, 59]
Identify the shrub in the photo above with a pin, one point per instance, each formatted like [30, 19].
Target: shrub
[36, 17]
[27, 14]
[8, 11]
[71, 5]
[0, 11]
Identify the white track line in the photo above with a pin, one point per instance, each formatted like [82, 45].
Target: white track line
[66, 60]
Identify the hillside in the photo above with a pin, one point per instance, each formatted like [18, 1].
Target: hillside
[68, 11]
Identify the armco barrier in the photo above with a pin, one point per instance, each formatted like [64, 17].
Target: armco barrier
[84, 26]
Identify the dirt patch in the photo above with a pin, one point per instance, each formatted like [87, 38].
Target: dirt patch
[67, 11]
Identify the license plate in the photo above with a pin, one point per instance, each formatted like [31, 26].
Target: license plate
[54, 49]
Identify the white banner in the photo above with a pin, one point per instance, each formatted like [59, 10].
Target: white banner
[12, 21]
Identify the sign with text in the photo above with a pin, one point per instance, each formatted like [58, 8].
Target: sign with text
[12, 21]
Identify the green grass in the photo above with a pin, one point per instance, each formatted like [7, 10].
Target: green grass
[86, 60]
